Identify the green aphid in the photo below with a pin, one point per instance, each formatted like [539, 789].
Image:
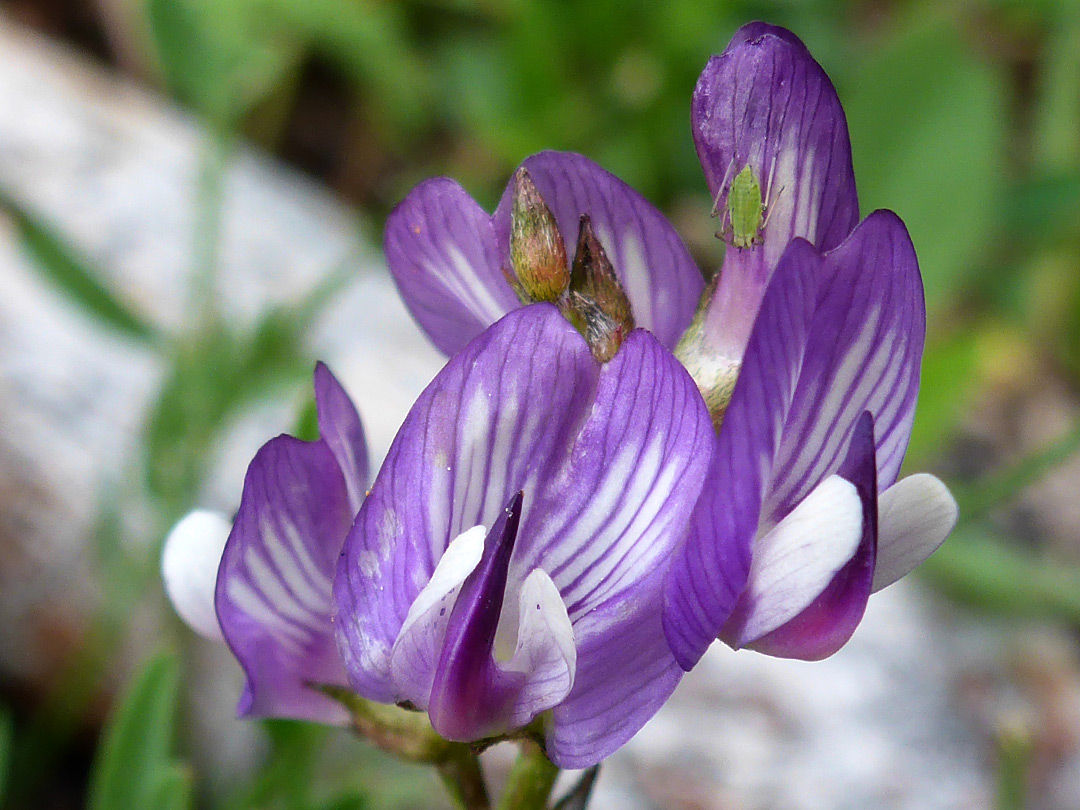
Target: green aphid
[745, 210]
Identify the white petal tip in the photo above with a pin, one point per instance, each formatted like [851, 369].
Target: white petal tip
[915, 515]
[189, 565]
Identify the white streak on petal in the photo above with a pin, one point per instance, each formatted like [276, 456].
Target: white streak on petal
[797, 560]
[546, 652]
[466, 285]
[246, 599]
[639, 286]
[274, 586]
[417, 647]
[471, 483]
[915, 515]
[314, 597]
[189, 565]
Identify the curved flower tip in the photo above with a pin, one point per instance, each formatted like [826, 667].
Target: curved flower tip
[273, 591]
[453, 264]
[766, 105]
[554, 610]
[189, 565]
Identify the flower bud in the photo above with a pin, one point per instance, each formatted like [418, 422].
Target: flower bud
[537, 252]
[597, 304]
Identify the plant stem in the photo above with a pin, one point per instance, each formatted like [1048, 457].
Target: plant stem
[464, 780]
[209, 215]
[531, 780]
[578, 797]
[409, 736]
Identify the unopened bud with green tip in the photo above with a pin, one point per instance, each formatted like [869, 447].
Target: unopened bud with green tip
[540, 267]
[596, 303]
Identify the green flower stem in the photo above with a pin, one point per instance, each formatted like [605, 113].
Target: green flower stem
[209, 222]
[409, 736]
[531, 780]
[1014, 761]
[463, 778]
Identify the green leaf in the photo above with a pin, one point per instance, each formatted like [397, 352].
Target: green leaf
[368, 39]
[927, 127]
[1057, 113]
[219, 55]
[1044, 207]
[172, 789]
[73, 274]
[135, 747]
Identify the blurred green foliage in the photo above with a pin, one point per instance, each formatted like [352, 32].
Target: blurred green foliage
[134, 768]
[964, 117]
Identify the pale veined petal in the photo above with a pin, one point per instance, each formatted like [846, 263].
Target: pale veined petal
[444, 257]
[710, 570]
[416, 651]
[915, 515]
[495, 421]
[797, 559]
[863, 354]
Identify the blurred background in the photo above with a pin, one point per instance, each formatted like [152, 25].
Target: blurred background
[191, 201]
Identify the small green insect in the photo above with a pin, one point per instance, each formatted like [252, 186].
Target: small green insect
[745, 214]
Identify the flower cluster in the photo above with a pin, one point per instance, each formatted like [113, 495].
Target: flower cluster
[619, 463]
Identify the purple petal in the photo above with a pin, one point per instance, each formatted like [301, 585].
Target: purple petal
[916, 514]
[341, 429]
[863, 354]
[493, 422]
[766, 103]
[625, 673]
[610, 508]
[606, 531]
[656, 270]
[273, 594]
[711, 568]
[447, 263]
[828, 622]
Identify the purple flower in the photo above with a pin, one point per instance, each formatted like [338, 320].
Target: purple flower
[806, 348]
[272, 596]
[508, 563]
[553, 537]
